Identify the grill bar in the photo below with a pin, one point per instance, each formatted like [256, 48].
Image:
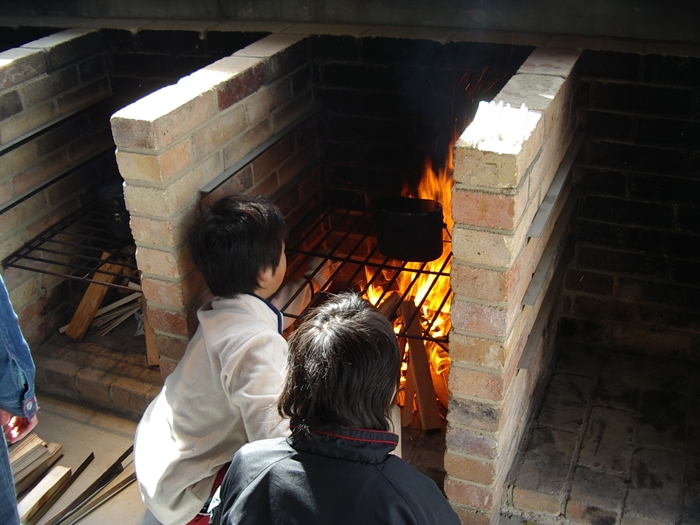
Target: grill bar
[73, 247]
[345, 239]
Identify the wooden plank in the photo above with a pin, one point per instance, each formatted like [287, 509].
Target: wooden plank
[419, 367]
[52, 501]
[39, 495]
[26, 451]
[92, 299]
[101, 482]
[120, 302]
[37, 469]
[152, 357]
[101, 499]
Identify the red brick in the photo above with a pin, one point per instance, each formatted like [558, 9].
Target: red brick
[469, 516]
[243, 84]
[482, 352]
[167, 321]
[476, 383]
[469, 469]
[536, 501]
[471, 443]
[488, 210]
[170, 347]
[483, 283]
[479, 318]
[472, 495]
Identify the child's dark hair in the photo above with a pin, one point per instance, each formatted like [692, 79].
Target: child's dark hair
[343, 368]
[234, 240]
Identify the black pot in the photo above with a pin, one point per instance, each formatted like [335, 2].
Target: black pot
[409, 229]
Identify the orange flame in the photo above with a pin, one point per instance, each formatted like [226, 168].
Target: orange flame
[430, 289]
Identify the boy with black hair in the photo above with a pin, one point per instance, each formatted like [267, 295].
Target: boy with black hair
[342, 376]
[222, 393]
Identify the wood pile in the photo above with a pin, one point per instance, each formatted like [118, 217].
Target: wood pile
[40, 485]
[31, 458]
[90, 313]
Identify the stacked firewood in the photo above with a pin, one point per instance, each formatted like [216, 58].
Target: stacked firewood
[40, 483]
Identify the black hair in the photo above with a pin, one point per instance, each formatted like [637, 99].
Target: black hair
[343, 368]
[233, 240]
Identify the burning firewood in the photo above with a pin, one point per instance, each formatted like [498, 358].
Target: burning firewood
[419, 369]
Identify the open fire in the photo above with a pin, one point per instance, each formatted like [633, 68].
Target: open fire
[425, 286]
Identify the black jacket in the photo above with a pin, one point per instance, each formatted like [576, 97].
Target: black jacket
[344, 477]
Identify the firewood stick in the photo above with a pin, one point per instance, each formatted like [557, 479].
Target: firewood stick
[62, 490]
[388, 307]
[108, 475]
[39, 495]
[420, 369]
[120, 302]
[25, 480]
[409, 392]
[152, 355]
[92, 299]
[101, 499]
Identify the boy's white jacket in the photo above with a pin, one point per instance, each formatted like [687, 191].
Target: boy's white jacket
[222, 394]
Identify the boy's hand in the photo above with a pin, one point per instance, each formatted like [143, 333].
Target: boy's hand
[15, 427]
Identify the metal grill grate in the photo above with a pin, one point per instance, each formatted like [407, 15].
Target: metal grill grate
[346, 239]
[73, 248]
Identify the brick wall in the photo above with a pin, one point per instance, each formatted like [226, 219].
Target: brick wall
[390, 103]
[41, 82]
[504, 163]
[144, 55]
[634, 281]
[176, 140]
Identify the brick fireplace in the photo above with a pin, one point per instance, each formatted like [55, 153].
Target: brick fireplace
[253, 122]
[181, 138]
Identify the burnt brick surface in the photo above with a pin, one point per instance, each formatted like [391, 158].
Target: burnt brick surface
[335, 47]
[397, 50]
[642, 99]
[613, 183]
[592, 332]
[627, 212]
[141, 65]
[345, 101]
[606, 125]
[602, 64]
[671, 189]
[591, 282]
[366, 78]
[634, 263]
[226, 43]
[672, 70]
[641, 158]
[92, 68]
[118, 40]
[598, 232]
[291, 58]
[662, 293]
[689, 219]
[614, 310]
[171, 41]
[10, 104]
[678, 133]
[694, 163]
[686, 272]
[671, 244]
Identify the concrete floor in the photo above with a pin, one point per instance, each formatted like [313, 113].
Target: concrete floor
[615, 442]
[82, 430]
